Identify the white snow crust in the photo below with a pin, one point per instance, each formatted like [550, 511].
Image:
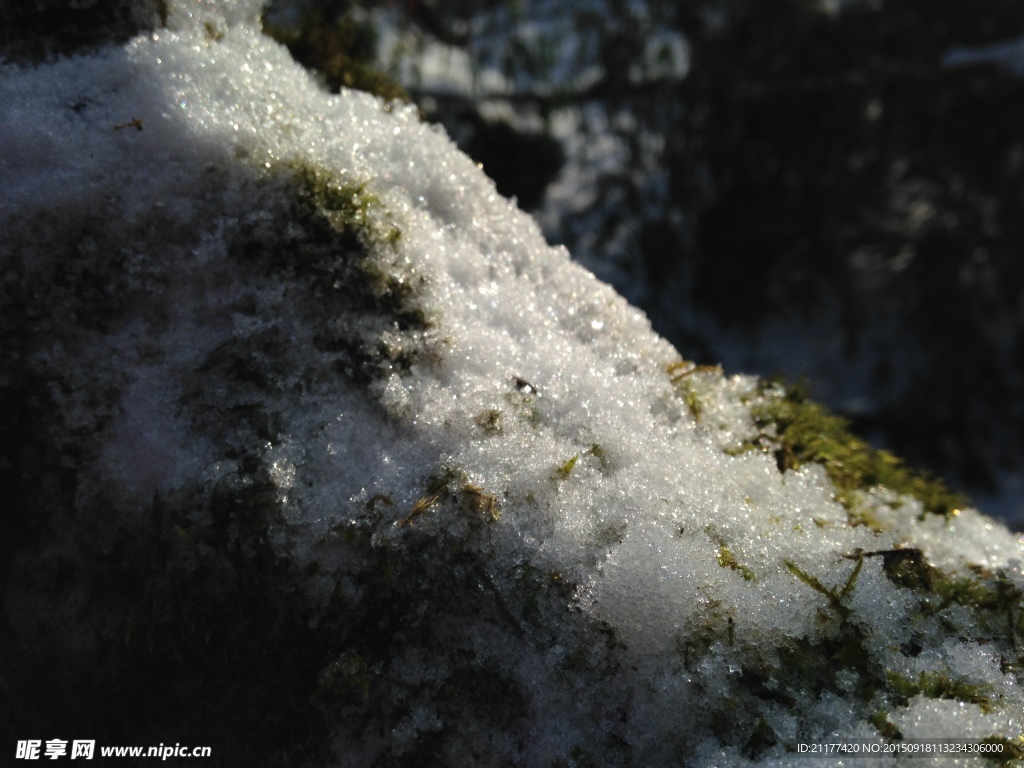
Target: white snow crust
[598, 468]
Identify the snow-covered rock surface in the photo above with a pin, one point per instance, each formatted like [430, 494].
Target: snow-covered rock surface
[241, 301]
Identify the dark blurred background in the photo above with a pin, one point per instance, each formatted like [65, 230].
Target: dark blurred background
[823, 190]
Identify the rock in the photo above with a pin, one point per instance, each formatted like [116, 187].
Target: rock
[317, 454]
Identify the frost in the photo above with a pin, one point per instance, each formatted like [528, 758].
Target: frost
[312, 312]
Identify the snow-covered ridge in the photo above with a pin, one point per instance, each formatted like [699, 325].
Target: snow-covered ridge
[414, 372]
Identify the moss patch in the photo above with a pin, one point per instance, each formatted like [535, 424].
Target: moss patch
[935, 685]
[563, 472]
[835, 595]
[798, 430]
[727, 559]
[686, 378]
[348, 206]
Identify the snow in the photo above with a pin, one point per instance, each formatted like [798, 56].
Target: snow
[533, 388]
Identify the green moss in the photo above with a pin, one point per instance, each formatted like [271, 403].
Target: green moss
[806, 667]
[961, 590]
[880, 719]
[685, 377]
[727, 559]
[835, 596]
[691, 398]
[936, 685]
[338, 245]
[346, 205]
[799, 431]
[451, 485]
[995, 601]
[563, 472]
